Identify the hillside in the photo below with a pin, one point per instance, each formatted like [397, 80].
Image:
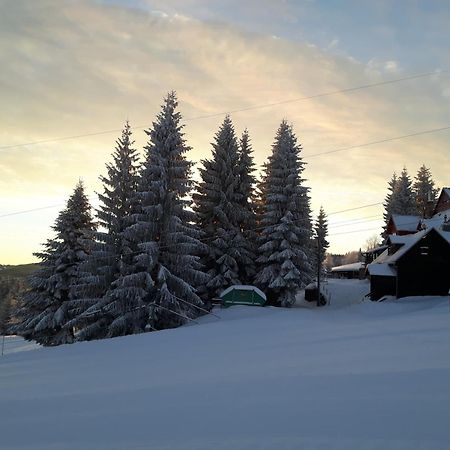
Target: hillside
[347, 376]
[20, 270]
[13, 281]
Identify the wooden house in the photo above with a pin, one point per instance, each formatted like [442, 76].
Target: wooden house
[415, 264]
[443, 203]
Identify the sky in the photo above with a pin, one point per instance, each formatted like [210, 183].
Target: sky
[80, 68]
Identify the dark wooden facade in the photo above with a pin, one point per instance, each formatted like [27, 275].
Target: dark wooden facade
[443, 203]
[381, 286]
[424, 269]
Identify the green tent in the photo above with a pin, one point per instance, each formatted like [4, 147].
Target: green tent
[243, 295]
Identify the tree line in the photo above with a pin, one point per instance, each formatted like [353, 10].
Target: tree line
[160, 246]
[410, 197]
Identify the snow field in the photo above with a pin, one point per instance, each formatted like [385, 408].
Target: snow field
[347, 376]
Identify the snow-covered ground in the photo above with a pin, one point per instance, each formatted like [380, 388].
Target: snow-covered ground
[347, 376]
[14, 344]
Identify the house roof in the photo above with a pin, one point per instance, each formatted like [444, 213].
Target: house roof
[384, 270]
[381, 258]
[378, 249]
[414, 238]
[354, 267]
[405, 223]
[395, 239]
[438, 219]
[409, 242]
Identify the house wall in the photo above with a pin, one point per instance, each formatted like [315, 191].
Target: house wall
[425, 269]
[443, 203]
[381, 286]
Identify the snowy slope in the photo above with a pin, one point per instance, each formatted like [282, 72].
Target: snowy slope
[14, 344]
[351, 376]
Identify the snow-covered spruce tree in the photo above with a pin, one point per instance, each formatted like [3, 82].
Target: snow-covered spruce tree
[321, 233]
[388, 201]
[45, 307]
[400, 198]
[220, 212]
[167, 268]
[425, 192]
[99, 297]
[285, 260]
[246, 187]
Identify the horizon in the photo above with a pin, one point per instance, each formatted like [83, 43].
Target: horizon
[74, 72]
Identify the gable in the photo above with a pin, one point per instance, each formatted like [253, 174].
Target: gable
[431, 244]
[443, 202]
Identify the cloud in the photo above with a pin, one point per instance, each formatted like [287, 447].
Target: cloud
[82, 67]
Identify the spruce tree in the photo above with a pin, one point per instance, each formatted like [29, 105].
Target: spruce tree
[285, 240]
[45, 310]
[321, 233]
[425, 192]
[388, 202]
[400, 198]
[220, 210]
[167, 268]
[99, 297]
[247, 223]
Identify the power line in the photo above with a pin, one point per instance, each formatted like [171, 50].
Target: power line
[354, 209]
[381, 141]
[369, 229]
[30, 210]
[351, 147]
[354, 222]
[233, 111]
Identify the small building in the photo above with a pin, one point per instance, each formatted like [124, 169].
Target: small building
[354, 270]
[239, 294]
[418, 264]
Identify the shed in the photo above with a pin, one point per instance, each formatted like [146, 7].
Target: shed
[241, 294]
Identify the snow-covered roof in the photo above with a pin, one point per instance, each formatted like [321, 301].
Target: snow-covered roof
[409, 243]
[348, 267]
[405, 223]
[384, 270]
[406, 242]
[438, 219]
[399, 240]
[244, 287]
[381, 258]
[376, 249]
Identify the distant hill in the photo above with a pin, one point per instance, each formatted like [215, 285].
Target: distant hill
[13, 282]
[20, 270]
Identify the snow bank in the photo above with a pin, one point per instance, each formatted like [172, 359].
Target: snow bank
[349, 376]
